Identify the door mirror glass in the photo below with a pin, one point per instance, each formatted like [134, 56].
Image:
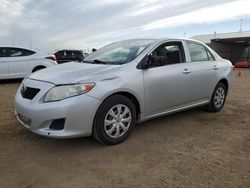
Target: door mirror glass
[157, 60]
[152, 61]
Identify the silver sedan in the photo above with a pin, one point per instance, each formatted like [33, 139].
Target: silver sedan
[121, 84]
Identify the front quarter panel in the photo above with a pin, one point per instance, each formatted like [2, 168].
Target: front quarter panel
[128, 79]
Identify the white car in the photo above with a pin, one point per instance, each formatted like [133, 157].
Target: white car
[18, 62]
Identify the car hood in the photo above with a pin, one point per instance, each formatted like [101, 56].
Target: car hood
[70, 73]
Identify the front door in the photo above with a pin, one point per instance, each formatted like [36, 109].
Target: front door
[167, 83]
[4, 66]
[20, 62]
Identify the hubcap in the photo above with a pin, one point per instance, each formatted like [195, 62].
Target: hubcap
[117, 121]
[219, 97]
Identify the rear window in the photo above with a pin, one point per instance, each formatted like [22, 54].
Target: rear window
[199, 52]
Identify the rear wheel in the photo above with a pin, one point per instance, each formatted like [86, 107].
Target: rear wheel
[218, 98]
[115, 120]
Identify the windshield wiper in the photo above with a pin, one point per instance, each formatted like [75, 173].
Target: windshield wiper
[96, 61]
[87, 61]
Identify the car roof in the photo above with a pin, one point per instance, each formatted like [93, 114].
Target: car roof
[159, 40]
[169, 38]
[69, 50]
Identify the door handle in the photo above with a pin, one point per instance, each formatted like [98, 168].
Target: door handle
[215, 67]
[186, 71]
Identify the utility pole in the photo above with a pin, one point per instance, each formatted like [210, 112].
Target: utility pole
[241, 20]
[30, 44]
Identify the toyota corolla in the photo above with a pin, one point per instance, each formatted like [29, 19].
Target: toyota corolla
[120, 85]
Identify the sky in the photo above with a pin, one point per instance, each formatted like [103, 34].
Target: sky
[83, 24]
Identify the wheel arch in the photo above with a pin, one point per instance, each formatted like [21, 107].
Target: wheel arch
[225, 82]
[130, 96]
[38, 67]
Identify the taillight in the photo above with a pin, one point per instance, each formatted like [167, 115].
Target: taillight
[52, 57]
[233, 68]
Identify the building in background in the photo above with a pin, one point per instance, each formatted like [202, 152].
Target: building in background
[233, 46]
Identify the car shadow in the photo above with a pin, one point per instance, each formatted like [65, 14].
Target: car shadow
[140, 129]
[173, 117]
[11, 81]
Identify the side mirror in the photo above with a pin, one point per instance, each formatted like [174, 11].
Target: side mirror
[151, 61]
[157, 60]
[145, 63]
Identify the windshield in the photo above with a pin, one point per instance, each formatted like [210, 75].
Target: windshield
[119, 52]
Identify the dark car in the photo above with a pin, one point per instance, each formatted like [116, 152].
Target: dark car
[64, 56]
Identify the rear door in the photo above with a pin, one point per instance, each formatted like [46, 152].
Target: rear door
[20, 62]
[204, 69]
[4, 66]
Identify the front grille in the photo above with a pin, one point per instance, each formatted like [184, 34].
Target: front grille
[29, 93]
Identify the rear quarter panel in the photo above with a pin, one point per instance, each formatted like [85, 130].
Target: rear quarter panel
[226, 71]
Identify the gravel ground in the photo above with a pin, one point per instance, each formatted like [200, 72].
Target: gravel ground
[189, 149]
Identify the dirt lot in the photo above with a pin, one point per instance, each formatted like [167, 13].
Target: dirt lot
[188, 149]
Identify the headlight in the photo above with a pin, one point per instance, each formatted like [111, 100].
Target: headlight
[65, 91]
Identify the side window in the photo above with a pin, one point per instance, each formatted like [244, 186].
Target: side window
[2, 52]
[60, 54]
[69, 54]
[64, 53]
[197, 52]
[17, 52]
[79, 54]
[169, 53]
[210, 56]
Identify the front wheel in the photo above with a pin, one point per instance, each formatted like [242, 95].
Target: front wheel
[114, 120]
[218, 98]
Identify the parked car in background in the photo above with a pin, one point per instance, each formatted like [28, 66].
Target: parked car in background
[242, 64]
[85, 54]
[64, 56]
[18, 62]
[121, 84]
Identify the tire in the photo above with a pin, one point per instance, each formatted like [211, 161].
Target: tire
[117, 128]
[38, 68]
[218, 98]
